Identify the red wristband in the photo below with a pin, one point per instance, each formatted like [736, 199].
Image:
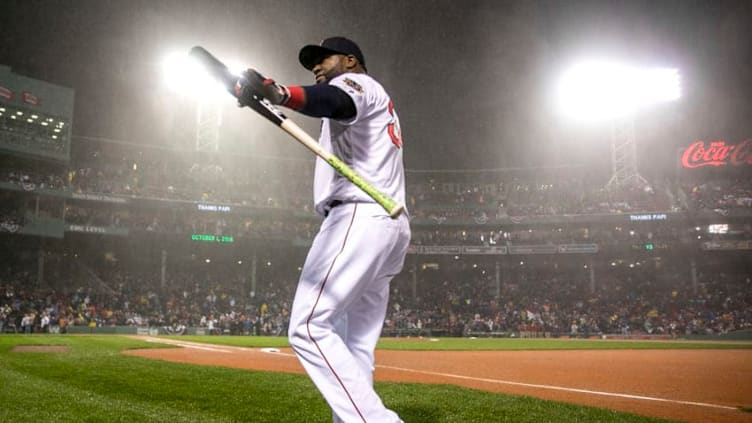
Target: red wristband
[297, 98]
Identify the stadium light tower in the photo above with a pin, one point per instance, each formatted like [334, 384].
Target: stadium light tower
[185, 76]
[596, 91]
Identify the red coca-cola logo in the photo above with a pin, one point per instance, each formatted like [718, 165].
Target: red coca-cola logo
[717, 153]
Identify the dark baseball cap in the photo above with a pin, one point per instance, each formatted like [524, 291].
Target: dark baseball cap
[312, 54]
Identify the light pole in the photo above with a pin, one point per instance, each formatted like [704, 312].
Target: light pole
[208, 122]
[624, 154]
[597, 91]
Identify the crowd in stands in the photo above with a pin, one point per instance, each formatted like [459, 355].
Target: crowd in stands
[719, 194]
[568, 193]
[260, 184]
[248, 181]
[81, 297]
[30, 180]
[459, 300]
[456, 301]
[10, 215]
[276, 182]
[602, 234]
[547, 303]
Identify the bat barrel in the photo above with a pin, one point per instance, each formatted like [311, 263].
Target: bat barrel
[216, 68]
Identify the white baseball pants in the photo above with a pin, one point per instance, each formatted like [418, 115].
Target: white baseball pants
[340, 304]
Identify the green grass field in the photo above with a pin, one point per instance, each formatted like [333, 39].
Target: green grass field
[93, 382]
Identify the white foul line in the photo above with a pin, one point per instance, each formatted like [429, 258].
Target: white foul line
[480, 379]
[561, 388]
[186, 344]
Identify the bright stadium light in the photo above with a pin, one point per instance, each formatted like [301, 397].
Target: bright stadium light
[599, 90]
[184, 75]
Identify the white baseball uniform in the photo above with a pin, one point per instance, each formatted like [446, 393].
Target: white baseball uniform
[341, 299]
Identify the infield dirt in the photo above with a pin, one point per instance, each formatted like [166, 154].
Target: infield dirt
[699, 386]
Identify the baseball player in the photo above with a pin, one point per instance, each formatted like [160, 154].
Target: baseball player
[341, 300]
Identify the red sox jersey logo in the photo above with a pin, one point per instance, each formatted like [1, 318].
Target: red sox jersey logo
[354, 85]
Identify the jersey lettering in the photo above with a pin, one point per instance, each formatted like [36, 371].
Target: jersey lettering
[394, 128]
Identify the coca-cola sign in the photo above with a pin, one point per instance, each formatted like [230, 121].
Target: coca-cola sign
[717, 153]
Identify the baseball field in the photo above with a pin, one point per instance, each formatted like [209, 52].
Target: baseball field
[111, 378]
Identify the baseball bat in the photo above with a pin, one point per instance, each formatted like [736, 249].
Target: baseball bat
[218, 70]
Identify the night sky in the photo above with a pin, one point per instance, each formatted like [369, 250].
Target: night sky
[471, 80]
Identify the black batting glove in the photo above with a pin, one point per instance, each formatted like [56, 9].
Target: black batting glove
[253, 86]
